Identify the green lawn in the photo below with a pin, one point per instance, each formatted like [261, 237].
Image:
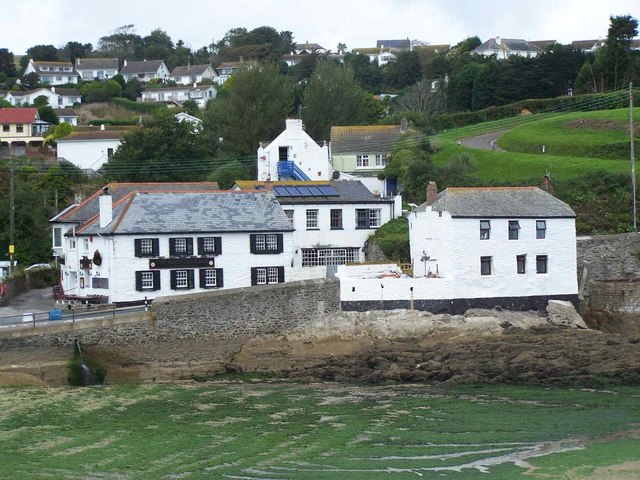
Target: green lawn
[320, 431]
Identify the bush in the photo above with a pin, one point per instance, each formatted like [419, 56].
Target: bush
[393, 240]
[142, 107]
[114, 122]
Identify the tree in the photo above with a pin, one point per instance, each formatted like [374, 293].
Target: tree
[158, 45]
[41, 101]
[404, 71]
[75, 50]
[47, 53]
[262, 43]
[251, 107]
[341, 48]
[99, 91]
[31, 80]
[123, 44]
[164, 150]
[419, 97]
[467, 45]
[7, 64]
[133, 89]
[227, 174]
[333, 97]
[304, 69]
[48, 114]
[191, 107]
[366, 72]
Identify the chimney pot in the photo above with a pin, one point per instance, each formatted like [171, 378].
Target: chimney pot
[432, 193]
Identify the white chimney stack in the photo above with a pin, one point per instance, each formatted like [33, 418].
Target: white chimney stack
[498, 41]
[106, 208]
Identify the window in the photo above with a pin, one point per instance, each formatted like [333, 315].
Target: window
[181, 246]
[265, 275]
[289, 214]
[58, 79]
[109, 152]
[521, 264]
[59, 101]
[312, 219]
[263, 243]
[541, 264]
[514, 227]
[19, 128]
[148, 280]
[381, 160]
[313, 257]
[146, 247]
[336, 219]
[485, 229]
[541, 228]
[57, 237]
[72, 244]
[368, 217]
[362, 160]
[181, 279]
[210, 278]
[209, 245]
[5, 127]
[485, 265]
[85, 244]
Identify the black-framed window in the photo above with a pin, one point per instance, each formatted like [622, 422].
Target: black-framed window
[181, 246]
[368, 217]
[541, 229]
[485, 265]
[211, 278]
[182, 279]
[266, 243]
[521, 264]
[336, 219]
[485, 229]
[209, 245]
[542, 264]
[146, 247]
[514, 229]
[147, 280]
[266, 275]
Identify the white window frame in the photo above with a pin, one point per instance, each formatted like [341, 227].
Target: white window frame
[146, 280]
[272, 274]
[182, 279]
[180, 245]
[312, 219]
[208, 244]
[85, 244]
[271, 241]
[72, 244]
[261, 242]
[375, 217]
[210, 277]
[146, 246]
[381, 160]
[261, 276]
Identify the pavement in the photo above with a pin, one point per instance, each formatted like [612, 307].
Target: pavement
[36, 301]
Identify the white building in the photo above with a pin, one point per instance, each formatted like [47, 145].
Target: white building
[332, 219]
[190, 74]
[53, 73]
[293, 155]
[96, 68]
[506, 47]
[90, 150]
[67, 115]
[145, 70]
[380, 55]
[154, 243]
[176, 95]
[513, 247]
[56, 96]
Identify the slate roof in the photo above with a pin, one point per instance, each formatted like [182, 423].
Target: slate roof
[308, 46]
[37, 65]
[189, 88]
[500, 202]
[18, 115]
[142, 66]
[91, 206]
[95, 135]
[96, 63]
[364, 139]
[65, 92]
[65, 112]
[190, 70]
[586, 44]
[514, 44]
[203, 212]
[404, 43]
[349, 191]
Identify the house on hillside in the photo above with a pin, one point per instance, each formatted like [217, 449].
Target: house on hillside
[401, 45]
[190, 74]
[57, 97]
[145, 70]
[97, 68]
[308, 48]
[176, 95]
[508, 246]
[293, 155]
[380, 55]
[361, 152]
[21, 132]
[53, 73]
[505, 47]
[227, 69]
[67, 115]
[90, 150]
[332, 219]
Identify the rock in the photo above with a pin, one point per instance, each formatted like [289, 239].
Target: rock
[564, 314]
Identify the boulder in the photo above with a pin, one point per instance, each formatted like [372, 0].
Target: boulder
[564, 314]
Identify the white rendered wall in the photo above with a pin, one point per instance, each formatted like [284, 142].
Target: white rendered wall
[312, 159]
[87, 154]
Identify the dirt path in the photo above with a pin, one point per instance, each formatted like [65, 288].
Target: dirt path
[486, 141]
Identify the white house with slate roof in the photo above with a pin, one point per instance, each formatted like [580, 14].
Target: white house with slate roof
[513, 247]
[145, 70]
[97, 68]
[190, 74]
[53, 73]
[506, 47]
[155, 243]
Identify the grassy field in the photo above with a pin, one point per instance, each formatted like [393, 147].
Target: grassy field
[318, 431]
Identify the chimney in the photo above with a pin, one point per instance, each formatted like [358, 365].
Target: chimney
[498, 41]
[106, 208]
[268, 184]
[125, 63]
[102, 127]
[53, 89]
[432, 193]
[404, 125]
[547, 184]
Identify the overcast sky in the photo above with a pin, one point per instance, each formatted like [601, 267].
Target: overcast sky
[358, 23]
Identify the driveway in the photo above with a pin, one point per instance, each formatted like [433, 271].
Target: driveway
[486, 141]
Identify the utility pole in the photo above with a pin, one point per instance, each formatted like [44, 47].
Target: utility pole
[12, 219]
[633, 156]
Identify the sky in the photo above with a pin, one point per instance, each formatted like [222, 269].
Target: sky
[357, 23]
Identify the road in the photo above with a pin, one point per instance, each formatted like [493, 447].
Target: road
[486, 141]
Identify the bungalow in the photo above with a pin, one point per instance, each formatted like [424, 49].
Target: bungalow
[177, 95]
[145, 70]
[21, 131]
[306, 48]
[154, 243]
[395, 45]
[90, 150]
[53, 73]
[332, 219]
[56, 96]
[67, 115]
[380, 55]
[97, 68]
[192, 74]
[293, 155]
[504, 48]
